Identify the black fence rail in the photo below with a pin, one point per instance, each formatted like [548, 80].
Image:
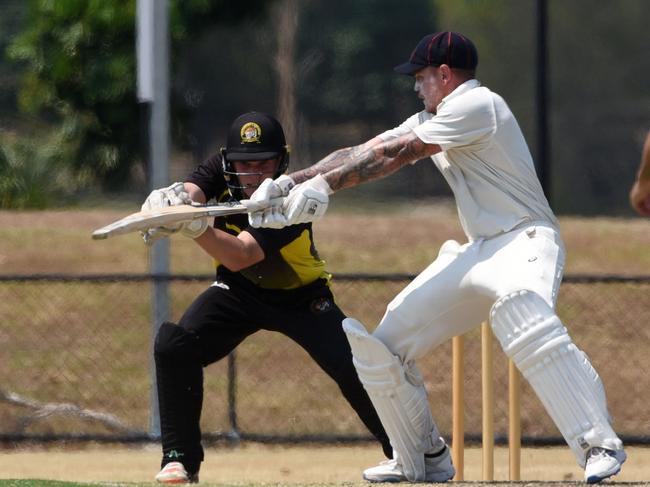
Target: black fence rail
[75, 363]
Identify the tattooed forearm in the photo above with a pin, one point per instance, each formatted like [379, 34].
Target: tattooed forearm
[414, 149]
[375, 159]
[331, 162]
[379, 161]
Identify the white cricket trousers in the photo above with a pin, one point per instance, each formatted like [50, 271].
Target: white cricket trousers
[456, 291]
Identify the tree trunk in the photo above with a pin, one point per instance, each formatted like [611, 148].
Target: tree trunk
[287, 25]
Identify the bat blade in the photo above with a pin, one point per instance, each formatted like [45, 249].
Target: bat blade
[143, 220]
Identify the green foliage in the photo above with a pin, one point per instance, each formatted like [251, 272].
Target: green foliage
[73, 61]
[347, 51]
[33, 173]
[11, 21]
[79, 74]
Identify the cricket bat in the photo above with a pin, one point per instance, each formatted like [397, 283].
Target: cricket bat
[143, 220]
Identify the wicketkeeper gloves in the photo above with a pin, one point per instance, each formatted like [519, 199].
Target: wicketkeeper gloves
[172, 195]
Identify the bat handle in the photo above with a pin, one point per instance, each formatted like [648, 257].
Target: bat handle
[252, 206]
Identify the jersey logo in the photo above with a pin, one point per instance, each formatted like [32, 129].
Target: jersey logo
[321, 305]
[250, 133]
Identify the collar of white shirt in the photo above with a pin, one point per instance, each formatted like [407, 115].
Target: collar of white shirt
[470, 84]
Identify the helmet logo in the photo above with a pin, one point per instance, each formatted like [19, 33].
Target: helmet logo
[250, 133]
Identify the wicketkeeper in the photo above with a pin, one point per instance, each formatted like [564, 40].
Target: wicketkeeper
[271, 279]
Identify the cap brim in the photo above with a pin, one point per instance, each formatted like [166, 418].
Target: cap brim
[408, 68]
[251, 156]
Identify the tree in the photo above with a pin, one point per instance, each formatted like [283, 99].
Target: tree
[348, 89]
[11, 20]
[346, 54]
[79, 74]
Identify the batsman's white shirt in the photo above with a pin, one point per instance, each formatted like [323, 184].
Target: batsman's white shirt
[484, 159]
[513, 243]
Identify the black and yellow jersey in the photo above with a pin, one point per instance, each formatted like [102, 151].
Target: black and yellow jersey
[291, 259]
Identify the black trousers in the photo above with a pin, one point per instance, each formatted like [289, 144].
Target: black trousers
[219, 320]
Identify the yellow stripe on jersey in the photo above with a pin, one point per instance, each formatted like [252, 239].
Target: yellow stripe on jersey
[234, 228]
[307, 266]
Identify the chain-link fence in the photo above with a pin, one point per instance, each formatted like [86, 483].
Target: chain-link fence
[75, 362]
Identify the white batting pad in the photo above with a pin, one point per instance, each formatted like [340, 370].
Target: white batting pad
[533, 336]
[399, 397]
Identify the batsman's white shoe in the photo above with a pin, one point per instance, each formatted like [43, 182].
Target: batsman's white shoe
[603, 463]
[386, 471]
[438, 469]
[175, 473]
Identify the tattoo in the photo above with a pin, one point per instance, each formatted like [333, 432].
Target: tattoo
[333, 161]
[355, 167]
[415, 149]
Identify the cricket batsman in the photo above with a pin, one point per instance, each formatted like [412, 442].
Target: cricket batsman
[509, 269]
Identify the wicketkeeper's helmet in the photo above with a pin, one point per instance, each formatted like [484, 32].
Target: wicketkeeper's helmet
[253, 136]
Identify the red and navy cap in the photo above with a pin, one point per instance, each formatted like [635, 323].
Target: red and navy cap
[450, 48]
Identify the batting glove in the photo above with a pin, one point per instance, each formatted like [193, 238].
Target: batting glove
[271, 217]
[269, 190]
[307, 202]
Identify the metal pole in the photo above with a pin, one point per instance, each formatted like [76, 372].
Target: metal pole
[542, 101]
[159, 150]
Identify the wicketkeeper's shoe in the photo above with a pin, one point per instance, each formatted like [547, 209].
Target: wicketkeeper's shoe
[602, 463]
[175, 473]
[438, 469]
